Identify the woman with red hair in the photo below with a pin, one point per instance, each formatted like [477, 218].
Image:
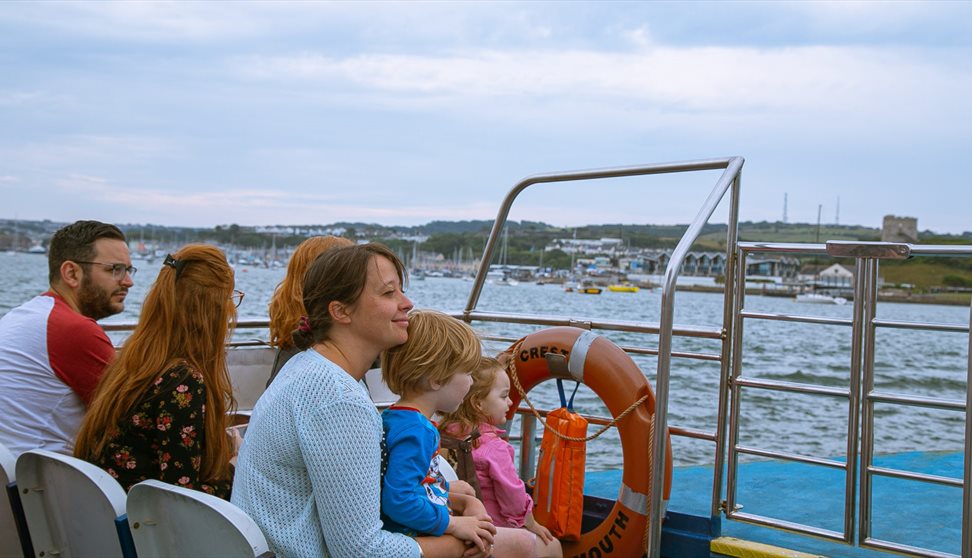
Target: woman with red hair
[287, 305]
[160, 410]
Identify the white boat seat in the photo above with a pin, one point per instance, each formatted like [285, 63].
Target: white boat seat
[448, 472]
[14, 537]
[168, 520]
[378, 390]
[73, 508]
[249, 370]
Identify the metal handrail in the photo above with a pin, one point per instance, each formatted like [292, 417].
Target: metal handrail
[603, 324]
[738, 382]
[791, 318]
[871, 396]
[730, 178]
[793, 387]
[861, 392]
[570, 176]
[967, 470]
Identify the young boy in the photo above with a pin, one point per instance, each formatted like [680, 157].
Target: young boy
[431, 372]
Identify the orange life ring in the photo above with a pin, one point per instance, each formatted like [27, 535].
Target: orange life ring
[577, 354]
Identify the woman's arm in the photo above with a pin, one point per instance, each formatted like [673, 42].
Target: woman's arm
[178, 402]
[508, 489]
[340, 445]
[448, 546]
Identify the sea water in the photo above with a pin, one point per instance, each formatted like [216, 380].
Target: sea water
[906, 362]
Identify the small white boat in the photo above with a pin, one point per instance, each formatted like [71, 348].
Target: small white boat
[817, 298]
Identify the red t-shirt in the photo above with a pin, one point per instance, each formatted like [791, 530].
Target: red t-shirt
[51, 359]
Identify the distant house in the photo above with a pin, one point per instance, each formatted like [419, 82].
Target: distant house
[837, 275]
[783, 266]
[704, 263]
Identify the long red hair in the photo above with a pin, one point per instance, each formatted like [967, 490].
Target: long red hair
[186, 320]
[287, 305]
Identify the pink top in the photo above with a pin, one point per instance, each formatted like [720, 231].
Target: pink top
[503, 492]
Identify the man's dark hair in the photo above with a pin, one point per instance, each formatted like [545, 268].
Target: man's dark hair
[75, 242]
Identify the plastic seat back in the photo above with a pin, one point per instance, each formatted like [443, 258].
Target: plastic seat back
[446, 469]
[249, 370]
[73, 508]
[378, 389]
[14, 538]
[168, 520]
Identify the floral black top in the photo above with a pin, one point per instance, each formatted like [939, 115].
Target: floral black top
[164, 436]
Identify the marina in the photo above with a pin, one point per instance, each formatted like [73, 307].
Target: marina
[739, 228]
[788, 422]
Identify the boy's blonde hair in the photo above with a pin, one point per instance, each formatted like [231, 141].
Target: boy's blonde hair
[438, 347]
[470, 414]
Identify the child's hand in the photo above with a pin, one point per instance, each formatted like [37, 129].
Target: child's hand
[530, 524]
[473, 551]
[461, 487]
[463, 504]
[475, 529]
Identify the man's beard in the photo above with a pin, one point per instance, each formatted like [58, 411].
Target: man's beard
[95, 303]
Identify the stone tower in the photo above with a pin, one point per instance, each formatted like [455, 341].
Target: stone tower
[899, 229]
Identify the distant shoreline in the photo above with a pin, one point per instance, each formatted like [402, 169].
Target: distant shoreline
[952, 299]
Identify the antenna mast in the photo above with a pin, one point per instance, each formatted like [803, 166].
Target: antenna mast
[819, 208]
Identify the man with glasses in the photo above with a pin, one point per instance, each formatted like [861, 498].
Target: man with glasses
[52, 351]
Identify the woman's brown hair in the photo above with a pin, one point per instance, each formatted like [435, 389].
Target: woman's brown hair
[287, 305]
[338, 275]
[186, 318]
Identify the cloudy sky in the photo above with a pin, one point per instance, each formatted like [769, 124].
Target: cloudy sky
[205, 113]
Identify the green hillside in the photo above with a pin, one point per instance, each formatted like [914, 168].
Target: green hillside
[527, 239]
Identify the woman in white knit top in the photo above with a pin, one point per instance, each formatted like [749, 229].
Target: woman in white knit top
[309, 469]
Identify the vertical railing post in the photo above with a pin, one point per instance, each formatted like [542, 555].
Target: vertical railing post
[859, 321]
[967, 477]
[870, 266]
[732, 387]
[528, 448]
[732, 285]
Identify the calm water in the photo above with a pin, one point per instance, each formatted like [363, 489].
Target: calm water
[920, 363]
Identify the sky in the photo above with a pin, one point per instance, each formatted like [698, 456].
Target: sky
[400, 113]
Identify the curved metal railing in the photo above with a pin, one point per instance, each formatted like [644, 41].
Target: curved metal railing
[730, 179]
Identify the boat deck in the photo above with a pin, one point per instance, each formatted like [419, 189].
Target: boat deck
[910, 513]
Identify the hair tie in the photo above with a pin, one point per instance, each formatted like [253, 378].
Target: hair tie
[175, 264]
[304, 325]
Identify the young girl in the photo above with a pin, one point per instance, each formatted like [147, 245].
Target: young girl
[502, 490]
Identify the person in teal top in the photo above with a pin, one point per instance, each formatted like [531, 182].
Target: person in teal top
[309, 470]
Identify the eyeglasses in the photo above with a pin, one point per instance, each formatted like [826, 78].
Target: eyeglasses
[118, 270]
[237, 297]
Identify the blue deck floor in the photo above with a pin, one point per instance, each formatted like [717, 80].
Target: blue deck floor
[905, 512]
